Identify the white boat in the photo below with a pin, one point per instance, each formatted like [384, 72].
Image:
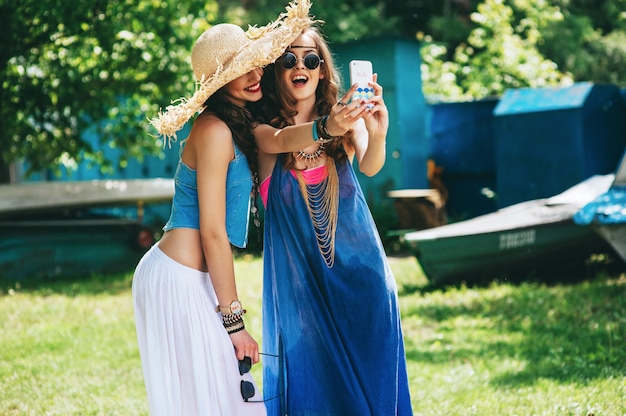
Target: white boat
[46, 196]
[524, 238]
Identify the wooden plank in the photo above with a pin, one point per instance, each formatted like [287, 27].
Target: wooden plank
[45, 196]
[418, 209]
[413, 193]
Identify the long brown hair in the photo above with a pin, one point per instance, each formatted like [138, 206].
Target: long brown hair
[278, 107]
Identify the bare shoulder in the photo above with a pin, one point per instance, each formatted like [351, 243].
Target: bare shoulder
[209, 141]
[209, 126]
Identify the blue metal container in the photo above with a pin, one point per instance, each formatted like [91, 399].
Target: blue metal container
[397, 62]
[462, 143]
[547, 140]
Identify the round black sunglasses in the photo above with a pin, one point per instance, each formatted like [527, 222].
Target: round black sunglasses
[247, 388]
[311, 60]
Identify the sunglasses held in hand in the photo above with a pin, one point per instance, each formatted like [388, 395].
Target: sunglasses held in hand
[247, 388]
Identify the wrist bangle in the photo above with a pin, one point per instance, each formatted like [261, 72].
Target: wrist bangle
[232, 322]
[316, 136]
[318, 131]
[325, 134]
[231, 318]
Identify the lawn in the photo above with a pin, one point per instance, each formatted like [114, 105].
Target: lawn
[69, 347]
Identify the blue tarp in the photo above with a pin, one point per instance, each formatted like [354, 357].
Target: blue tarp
[608, 208]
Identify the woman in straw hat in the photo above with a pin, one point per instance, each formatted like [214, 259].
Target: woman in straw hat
[330, 306]
[188, 315]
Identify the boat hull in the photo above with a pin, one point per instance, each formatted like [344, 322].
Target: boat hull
[76, 228]
[32, 250]
[506, 254]
[532, 237]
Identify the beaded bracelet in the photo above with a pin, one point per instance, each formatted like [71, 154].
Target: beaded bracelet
[229, 318]
[239, 326]
[233, 322]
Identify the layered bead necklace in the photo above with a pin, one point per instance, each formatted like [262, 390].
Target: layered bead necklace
[322, 202]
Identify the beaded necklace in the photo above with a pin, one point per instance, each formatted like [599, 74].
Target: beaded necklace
[322, 202]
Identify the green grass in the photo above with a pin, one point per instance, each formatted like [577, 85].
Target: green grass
[69, 347]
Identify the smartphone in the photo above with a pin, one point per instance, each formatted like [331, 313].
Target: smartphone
[361, 73]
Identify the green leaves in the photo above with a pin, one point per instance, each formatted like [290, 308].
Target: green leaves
[100, 67]
[529, 43]
[501, 53]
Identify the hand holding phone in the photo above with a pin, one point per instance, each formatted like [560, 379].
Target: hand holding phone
[361, 73]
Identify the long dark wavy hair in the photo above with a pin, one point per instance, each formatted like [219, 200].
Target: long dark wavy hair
[278, 107]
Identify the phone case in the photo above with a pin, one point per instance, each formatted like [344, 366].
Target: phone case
[361, 72]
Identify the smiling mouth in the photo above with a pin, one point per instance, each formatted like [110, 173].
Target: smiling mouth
[299, 80]
[254, 88]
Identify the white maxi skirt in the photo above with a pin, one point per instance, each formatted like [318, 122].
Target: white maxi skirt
[188, 359]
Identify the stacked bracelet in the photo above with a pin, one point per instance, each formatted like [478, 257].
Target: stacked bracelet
[320, 133]
[233, 322]
[324, 132]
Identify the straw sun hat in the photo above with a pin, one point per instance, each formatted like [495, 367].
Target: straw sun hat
[225, 52]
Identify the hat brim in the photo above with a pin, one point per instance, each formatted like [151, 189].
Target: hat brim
[266, 44]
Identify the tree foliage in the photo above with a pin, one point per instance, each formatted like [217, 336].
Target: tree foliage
[341, 20]
[590, 41]
[526, 43]
[100, 67]
[498, 55]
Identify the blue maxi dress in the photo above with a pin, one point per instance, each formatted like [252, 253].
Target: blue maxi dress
[336, 330]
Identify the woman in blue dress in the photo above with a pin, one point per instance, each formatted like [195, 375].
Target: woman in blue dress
[330, 306]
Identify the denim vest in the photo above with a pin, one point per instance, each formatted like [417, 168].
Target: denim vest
[185, 212]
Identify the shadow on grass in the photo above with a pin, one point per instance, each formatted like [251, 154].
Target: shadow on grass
[109, 282]
[571, 332]
[71, 286]
[559, 274]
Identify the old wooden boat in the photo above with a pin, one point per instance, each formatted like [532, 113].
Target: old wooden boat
[520, 239]
[28, 198]
[73, 228]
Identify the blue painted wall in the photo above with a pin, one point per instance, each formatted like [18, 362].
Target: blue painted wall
[461, 139]
[397, 62]
[162, 165]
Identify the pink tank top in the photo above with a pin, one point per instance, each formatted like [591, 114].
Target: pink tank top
[311, 176]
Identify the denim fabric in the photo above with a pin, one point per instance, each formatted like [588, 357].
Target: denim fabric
[185, 213]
